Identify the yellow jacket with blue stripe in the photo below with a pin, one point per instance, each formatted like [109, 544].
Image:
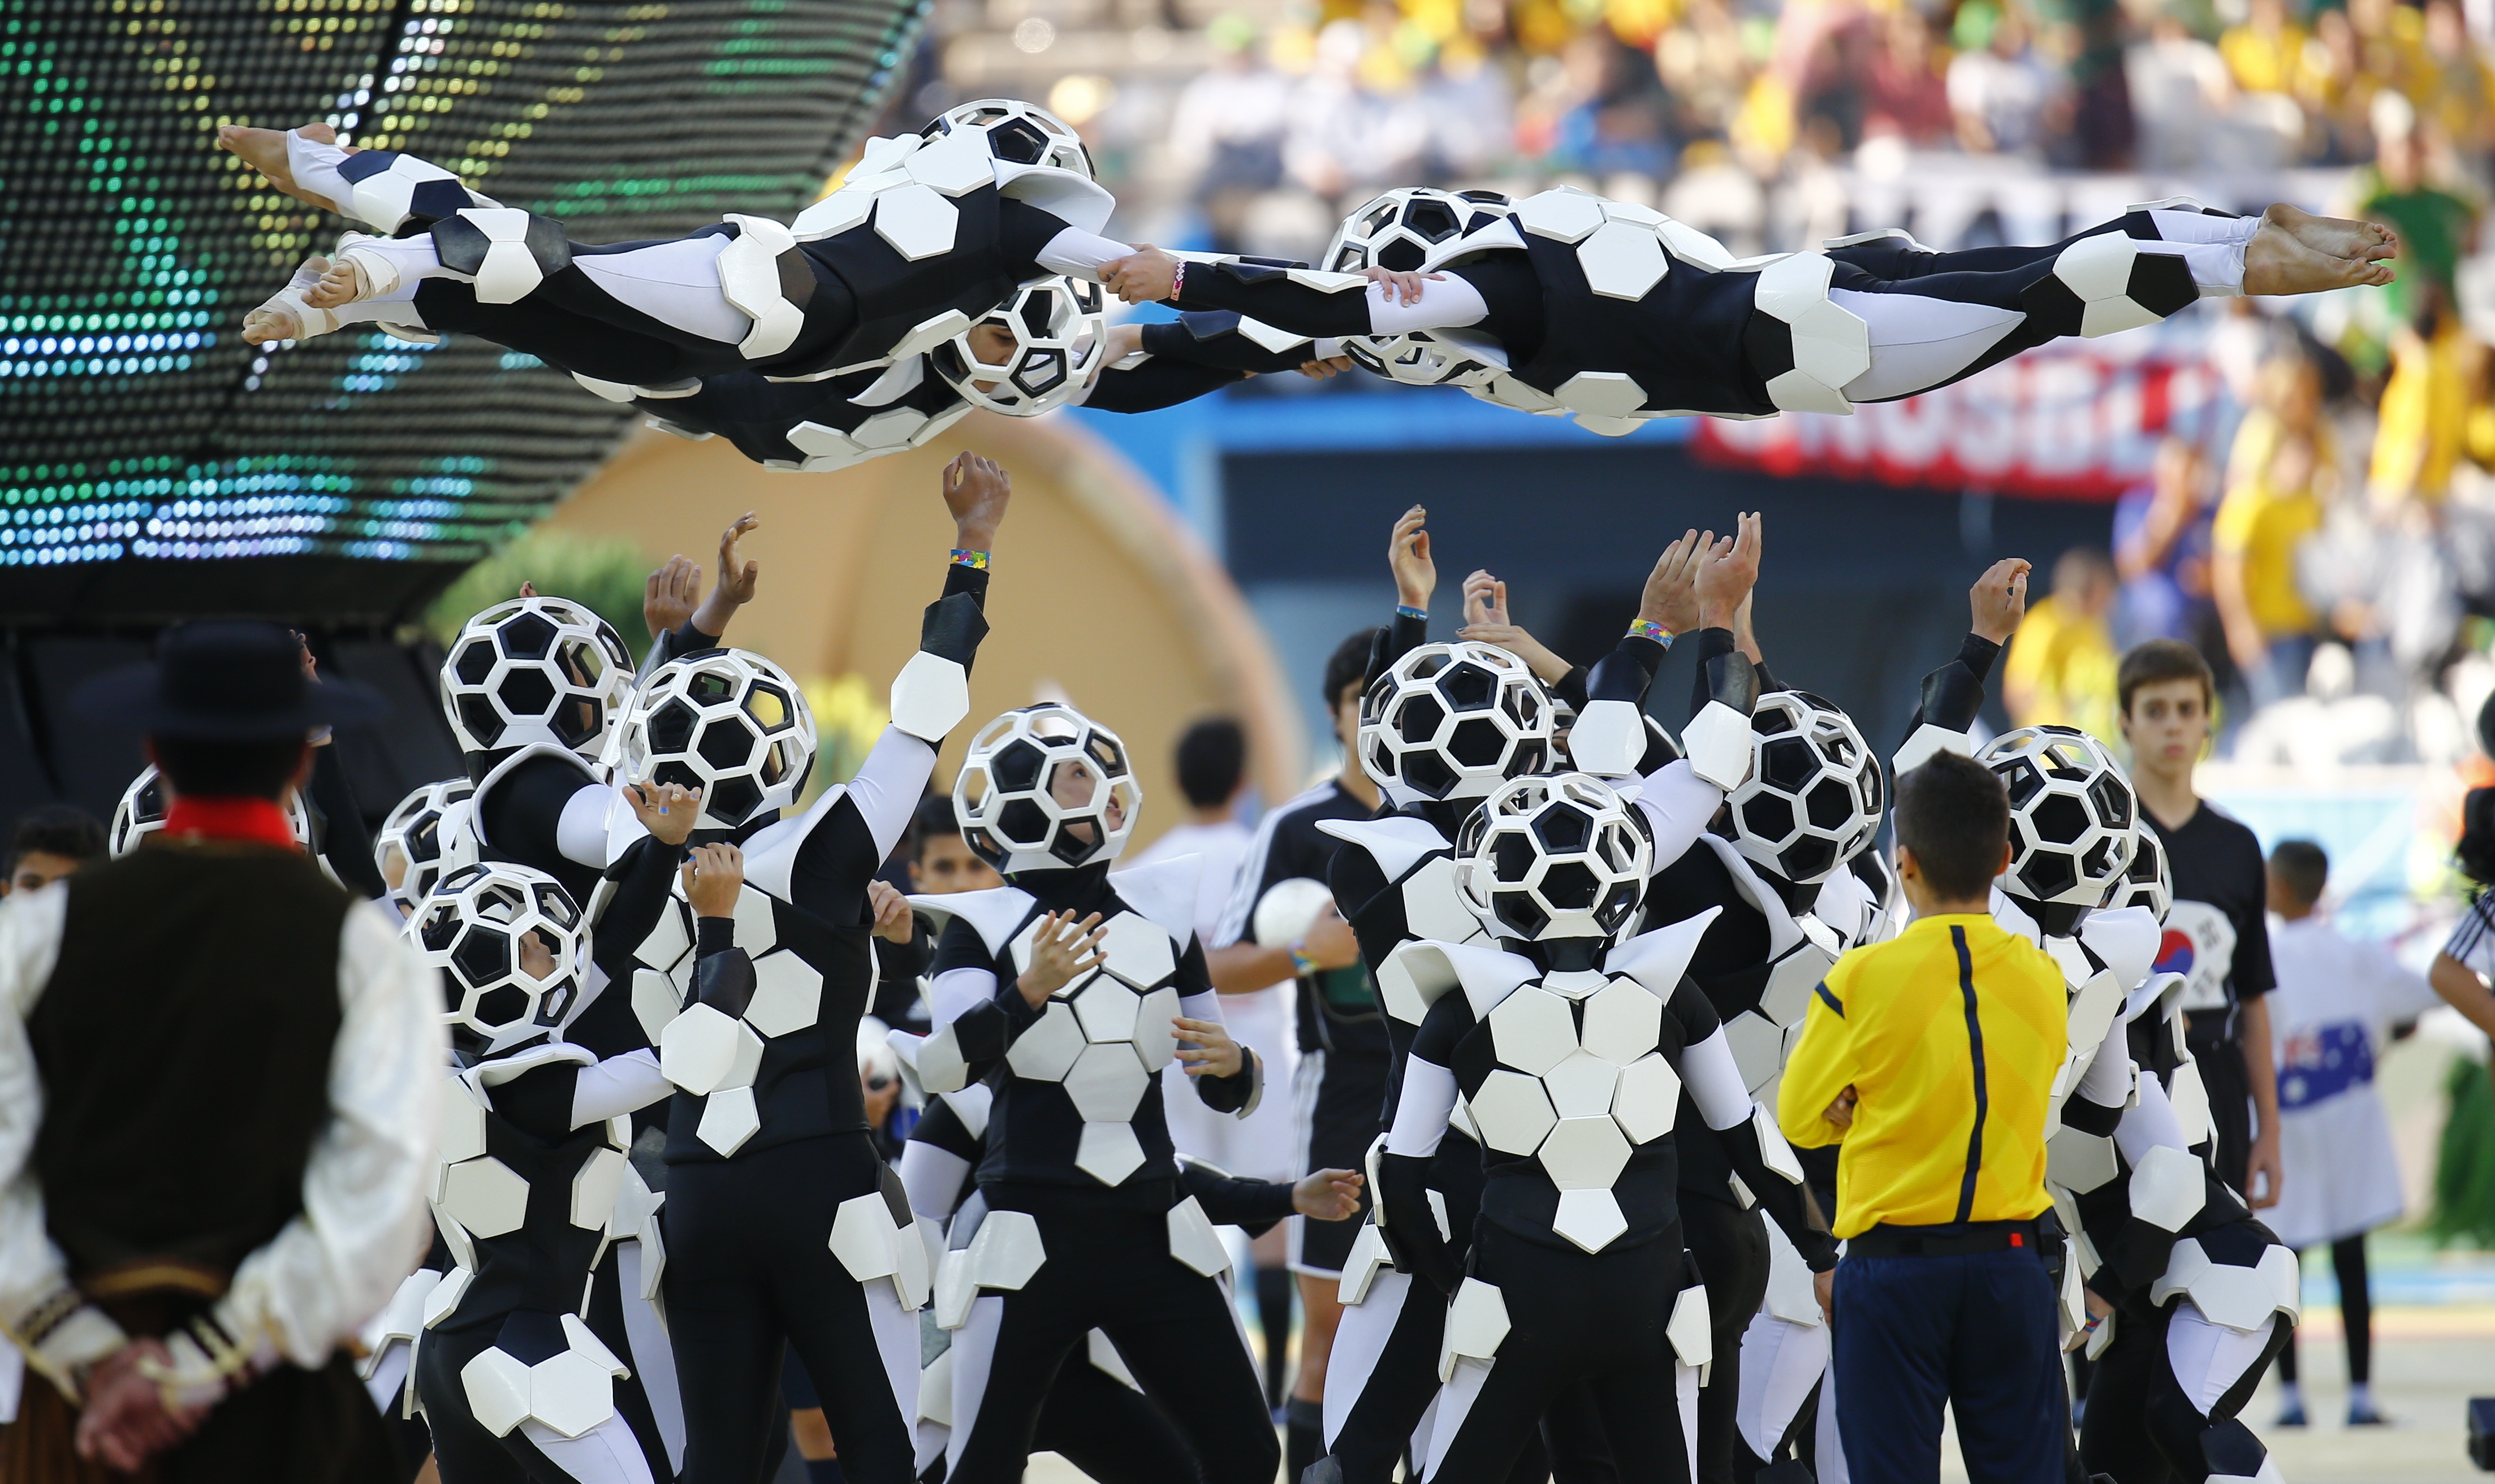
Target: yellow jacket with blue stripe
[1950, 1035]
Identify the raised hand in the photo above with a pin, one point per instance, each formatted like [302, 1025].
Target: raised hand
[1407, 555]
[736, 583]
[1485, 599]
[893, 922]
[1998, 600]
[672, 594]
[1328, 1195]
[712, 875]
[1205, 1048]
[1145, 276]
[1062, 951]
[1671, 594]
[977, 491]
[667, 810]
[1728, 573]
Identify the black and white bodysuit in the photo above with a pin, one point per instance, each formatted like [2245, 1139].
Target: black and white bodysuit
[1086, 1226]
[1569, 303]
[782, 1227]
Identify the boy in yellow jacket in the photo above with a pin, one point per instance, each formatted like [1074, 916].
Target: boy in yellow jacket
[1929, 1059]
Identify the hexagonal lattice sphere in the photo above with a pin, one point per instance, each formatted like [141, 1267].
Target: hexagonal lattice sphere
[1554, 856]
[509, 942]
[2146, 882]
[1045, 785]
[1016, 133]
[1512, 1111]
[536, 669]
[1815, 792]
[2117, 283]
[145, 802]
[425, 836]
[730, 723]
[1623, 1020]
[1453, 721]
[2072, 815]
[1412, 228]
[1623, 260]
[1423, 358]
[1037, 352]
[1532, 1030]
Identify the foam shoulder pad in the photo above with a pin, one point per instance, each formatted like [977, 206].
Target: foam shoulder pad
[1717, 741]
[930, 696]
[1610, 739]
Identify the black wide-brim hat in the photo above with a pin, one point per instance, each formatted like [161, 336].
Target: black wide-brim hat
[223, 680]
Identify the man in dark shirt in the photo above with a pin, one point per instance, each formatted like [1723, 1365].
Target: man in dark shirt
[2216, 936]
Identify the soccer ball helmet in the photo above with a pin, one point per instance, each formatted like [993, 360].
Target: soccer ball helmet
[2147, 882]
[1554, 856]
[1060, 335]
[728, 722]
[1018, 133]
[1406, 229]
[536, 670]
[1453, 721]
[1045, 787]
[426, 836]
[509, 943]
[2072, 816]
[1815, 792]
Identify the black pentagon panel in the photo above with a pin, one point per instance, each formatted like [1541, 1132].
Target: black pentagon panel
[2050, 305]
[1430, 773]
[678, 772]
[734, 800]
[2099, 858]
[1381, 757]
[727, 741]
[1019, 141]
[1418, 719]
[706, 686]
[671, 727]
[1403, 255]
[1511, 860]
[438, 928]
[583, 664]
[2047, 874]
[1830, 804]
[1432, 220]
[1017, 767]
[475, 661]
[1788, 763]
[2112, 802]
[526, 693]
[1618, 903]
[2162, 284]
[501, 1006]
[1042, 371]
[1024, 822]
[1809, 856]
[529, 636]
[1771, 721]
[2061, 820]
[482, 956]
[1476, 743]
[1468, 687]
[483, 723]
[1518, 909]
[575, 721]
[425, 839]
[1070, 850]
[1563, 828]
[1570, 886]
[1351, 260]
[1113, 762]
[1618, 848]
[769, 707]
[1768, 816]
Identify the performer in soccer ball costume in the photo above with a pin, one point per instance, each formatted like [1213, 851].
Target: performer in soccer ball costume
[1566, 302]
[1067, 990]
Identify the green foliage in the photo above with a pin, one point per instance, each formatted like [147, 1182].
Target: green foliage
[2464, 1168]
[607, 575]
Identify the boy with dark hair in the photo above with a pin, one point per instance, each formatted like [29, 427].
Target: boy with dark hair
[2215, 934]
[1929, 1060]
[1212, 763]
[50, 842]
[2337, 1006]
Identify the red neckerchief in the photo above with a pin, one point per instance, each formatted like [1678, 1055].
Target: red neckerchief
[258, 820]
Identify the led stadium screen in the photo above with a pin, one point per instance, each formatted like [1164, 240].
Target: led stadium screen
[152, 463]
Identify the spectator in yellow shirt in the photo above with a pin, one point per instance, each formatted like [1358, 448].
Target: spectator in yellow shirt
[2265, 53]
[1929, 1060]
[2060, 668]
[2260, 527]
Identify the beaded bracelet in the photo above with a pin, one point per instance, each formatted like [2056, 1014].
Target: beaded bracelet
[1301, 963]
[977, 561]
[1178, 282]
[1647, 628]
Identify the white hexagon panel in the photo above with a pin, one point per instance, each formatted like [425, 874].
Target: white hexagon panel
[864, 1238]
[1623, 1021]
[1583, 1154]
[1622, 260]
[888, 429]
[1007, 1251]
[462, 1134]
[1106, 1010]
[1512, 1111]
[1156, 1038]
[595, 1187]
[1108, 1152]
[486, 1196]
[498, 1390]
[668, 943]
[1602, 393]
[729, 1119]
[955, 164]
[2169, 1186]
[1432, 907]
[571, 1393]
[787, 994]
[2079, 1161]
[1581, 1085]
[700, 1049]
[1786, 998]
[834, 214]
[1590, 1218]
[827, 449]
[1046, 1052]
[1830, 344]
[916, 221]
[1137, 949]
[1758, 1047]
[1532, 1029]
[653, 1001]
[757, 925]
[1562, 213]
[1106, 1083]
[1647, 1099]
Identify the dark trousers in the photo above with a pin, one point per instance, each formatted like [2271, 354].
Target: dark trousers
[1977, 1332]
[2355, 1311]
[1729, 1246]
[2231, 1107]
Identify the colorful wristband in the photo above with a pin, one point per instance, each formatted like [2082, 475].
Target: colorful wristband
[1301, 963]
[977, 561]
[1647, 628]
[1407, 611]
[1178, 282]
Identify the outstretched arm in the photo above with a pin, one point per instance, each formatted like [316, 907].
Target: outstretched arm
[1955, 692]
[1305, 301]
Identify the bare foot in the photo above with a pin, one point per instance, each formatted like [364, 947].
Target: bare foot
[2336, 236]
[2275, 262]
[264, 151]
[344, 281]
[268, 323]
[284, 316]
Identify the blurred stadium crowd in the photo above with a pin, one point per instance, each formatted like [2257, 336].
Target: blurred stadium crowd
[2329, 542]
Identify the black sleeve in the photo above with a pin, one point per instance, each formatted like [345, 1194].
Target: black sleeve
[1265, 291]
[986, 1031]
[722, 974]
[644, 876]
[2254, 975]
[1766, 681]
[523, 812]
[1402, 634]
[1214, 341]
[1954, 693]
[1711, 641]
[1253, 1206]
[676, 643]
[1369, 902]
[1627, 673]
[345, 843]
[1156, 384]
[942, 1127]
[538, 1101]
[1571, 687]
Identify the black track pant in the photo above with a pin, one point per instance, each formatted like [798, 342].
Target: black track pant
[1593, 1321]
[2355, 1311]
[464, 1452]
[1110, 1269]
[1109, 1429]
[1729, 1247]
[749, 1271]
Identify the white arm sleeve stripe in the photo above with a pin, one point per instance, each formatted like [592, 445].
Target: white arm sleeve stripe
[580, 833]
[934, 1179]
[1421, 1113]
[1203, 1005]
[1241, 909]
[2107, 1082]
[889, 784]
[951, 993]
[1678, 803]
[332, 1267]
[2149, 1124]
[1081, 254]
[1714, 1081]
[617, 1085]
[1447, 303]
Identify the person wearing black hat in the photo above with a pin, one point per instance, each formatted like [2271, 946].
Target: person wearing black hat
[218, 1078]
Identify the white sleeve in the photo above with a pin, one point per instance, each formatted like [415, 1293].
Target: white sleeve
[1714, 1081]
[1678, 803]
[333, 1266]
[1203, 1005]
[2107, 1082]
[1421, 1112]
[616, 1086]
[889, 784]
[1447, 303]
[1081, 254]
[39, 1311]
[2398, 995]
[580, 832]
[2149, 1124]
[933, 1178]
[951, 994]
